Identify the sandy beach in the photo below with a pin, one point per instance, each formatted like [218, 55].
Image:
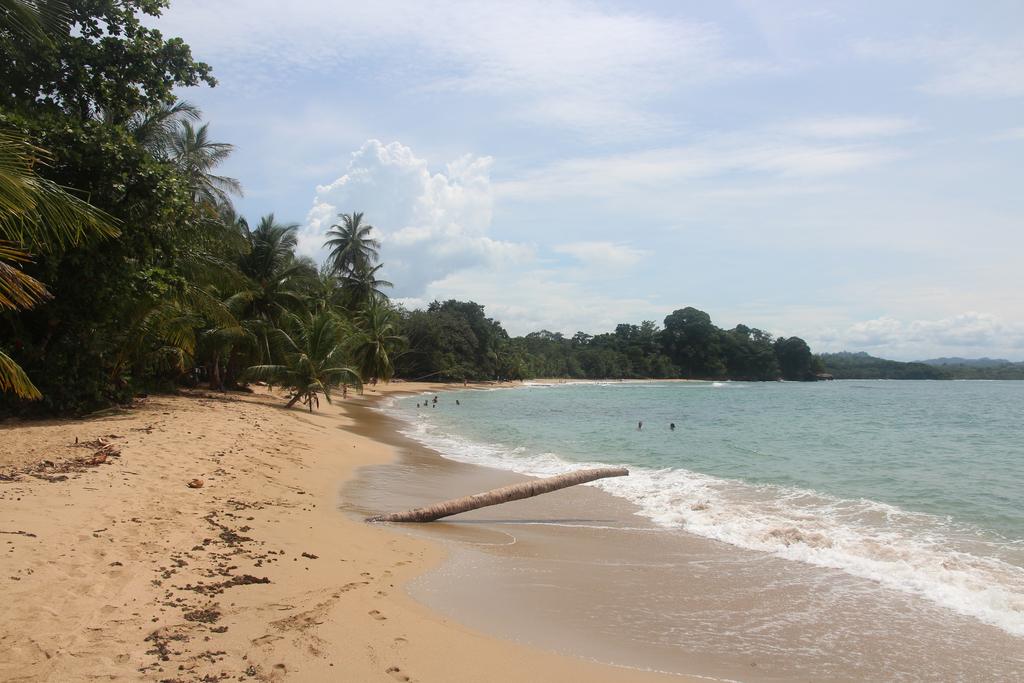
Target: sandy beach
[114, 568]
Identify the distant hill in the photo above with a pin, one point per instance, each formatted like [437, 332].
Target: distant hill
[969, 362]
[860, 365]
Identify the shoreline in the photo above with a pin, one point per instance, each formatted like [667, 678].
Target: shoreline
[268, 572]
[740, 591]
[121, 570]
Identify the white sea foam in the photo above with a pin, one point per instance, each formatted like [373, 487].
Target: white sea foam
[911, 552]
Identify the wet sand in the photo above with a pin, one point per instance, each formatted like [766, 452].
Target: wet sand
[578, 572]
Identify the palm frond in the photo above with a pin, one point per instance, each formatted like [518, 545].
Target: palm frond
[36, 213]
[35, 20]
[13, 379]
[18, 290]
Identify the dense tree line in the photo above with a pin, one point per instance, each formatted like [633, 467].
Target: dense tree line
[455, 340]
[860, 365]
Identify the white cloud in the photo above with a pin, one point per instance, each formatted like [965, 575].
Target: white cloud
[968, 334]
[845, 127]
[528, 300]
[603, 256]
[565, 63]
[795, 159]
[962, 67]
[431, 224]
[1009, 134]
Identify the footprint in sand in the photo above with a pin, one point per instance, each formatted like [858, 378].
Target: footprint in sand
[377, 615]
[350, 586]
[397, 674]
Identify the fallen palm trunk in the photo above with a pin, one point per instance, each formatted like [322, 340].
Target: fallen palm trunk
[505, 494]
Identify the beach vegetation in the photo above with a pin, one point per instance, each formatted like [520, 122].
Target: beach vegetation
[351, 247]
[377, 341]
[313, 355]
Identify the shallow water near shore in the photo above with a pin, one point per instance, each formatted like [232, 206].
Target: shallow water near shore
[625, 584]
[917, 485]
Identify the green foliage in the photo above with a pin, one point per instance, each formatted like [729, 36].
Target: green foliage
[351, 248]
[455, 340]
[452, 340]
[847, 365]
[693, 344]
[100, 58]
[75, 94]
[312, 352]
[377, 341]
[353, 256]
[795, 359]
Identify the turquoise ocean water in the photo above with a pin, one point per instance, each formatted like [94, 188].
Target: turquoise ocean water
[916, 485]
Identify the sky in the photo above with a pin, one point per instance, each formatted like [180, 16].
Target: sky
[849, 173]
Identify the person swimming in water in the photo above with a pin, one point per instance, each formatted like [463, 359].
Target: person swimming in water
[672, 426]
[639, 425]
[457, 402]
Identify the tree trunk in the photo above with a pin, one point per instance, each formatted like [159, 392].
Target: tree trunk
[505, 494]
[215, 378]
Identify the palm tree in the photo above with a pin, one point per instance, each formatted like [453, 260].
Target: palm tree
[157, 128]
[276, 277]
[167, 328]
[271, 247]
[313, 359]
[352, 248]
[196, 155]
[33, 19]
[325, 291]
[362, 287]
[377, 342]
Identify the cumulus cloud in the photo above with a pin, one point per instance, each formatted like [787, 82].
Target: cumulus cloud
[431, 224]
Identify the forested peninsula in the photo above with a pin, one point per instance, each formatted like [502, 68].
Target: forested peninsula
[846, 365]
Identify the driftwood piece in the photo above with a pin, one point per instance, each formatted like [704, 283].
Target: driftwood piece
[505, 494]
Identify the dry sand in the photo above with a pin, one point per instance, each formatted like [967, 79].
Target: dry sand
[119, 571]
